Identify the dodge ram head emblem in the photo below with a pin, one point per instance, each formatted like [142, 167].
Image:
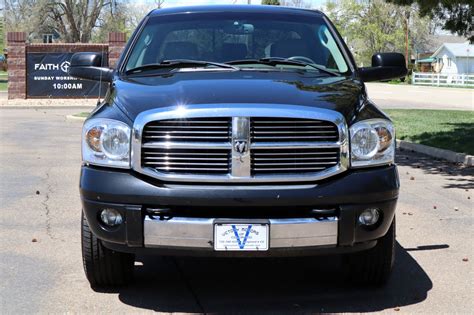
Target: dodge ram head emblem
[241, 146]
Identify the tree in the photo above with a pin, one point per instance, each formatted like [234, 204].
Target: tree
[271, 2]
[297, 3]
[73, 20]
[112, 19]
[377, 26]
[2, 36]
[455, 16]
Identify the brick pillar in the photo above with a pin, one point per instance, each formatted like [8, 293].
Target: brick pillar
[16, 45]
[116, 44]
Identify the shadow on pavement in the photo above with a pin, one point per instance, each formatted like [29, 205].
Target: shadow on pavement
[315, 284]
[459, 176]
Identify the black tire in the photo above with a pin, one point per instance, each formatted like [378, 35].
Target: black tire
[104, 267]
[374, 266]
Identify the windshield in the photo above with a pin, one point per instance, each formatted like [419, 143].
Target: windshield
[226, 37]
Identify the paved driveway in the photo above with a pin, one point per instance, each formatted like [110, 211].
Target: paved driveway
[40, 158]
[420, 97]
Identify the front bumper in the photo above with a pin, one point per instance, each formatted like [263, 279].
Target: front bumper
[198, 232]
[131, 194]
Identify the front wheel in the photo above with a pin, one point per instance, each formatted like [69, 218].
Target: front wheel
[104, 267]
[374, 266]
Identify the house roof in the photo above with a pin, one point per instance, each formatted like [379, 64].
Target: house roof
[426, 60]
[458, 50]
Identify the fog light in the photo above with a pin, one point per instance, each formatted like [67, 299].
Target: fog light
[369, 217]
[111, 217]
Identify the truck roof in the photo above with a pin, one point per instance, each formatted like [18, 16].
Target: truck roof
[234, 8]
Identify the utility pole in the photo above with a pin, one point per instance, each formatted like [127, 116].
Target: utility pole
[407, 16]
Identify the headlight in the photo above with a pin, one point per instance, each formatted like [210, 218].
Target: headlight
[106, 142]
[372, 143]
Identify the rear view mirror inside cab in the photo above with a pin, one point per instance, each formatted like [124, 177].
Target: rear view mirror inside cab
[239, 28]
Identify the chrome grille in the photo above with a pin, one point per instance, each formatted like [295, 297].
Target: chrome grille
[256, 143]
[185, 161]
[293, 161]
[264, 129]
[195, 130]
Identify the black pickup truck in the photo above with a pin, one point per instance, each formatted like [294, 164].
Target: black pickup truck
[237, 131]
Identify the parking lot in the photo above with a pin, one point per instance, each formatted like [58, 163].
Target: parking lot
[40, 256]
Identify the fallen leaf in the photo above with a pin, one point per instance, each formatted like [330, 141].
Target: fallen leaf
[37, 192]
[465, 259]
[468, 197]
[434, 207]
[34, 240]
[412, 178]
[456, 209]
[396, 309]
[408, 173]
[409, 213]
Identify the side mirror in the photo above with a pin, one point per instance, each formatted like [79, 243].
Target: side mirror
[385, 66]
[90, 66]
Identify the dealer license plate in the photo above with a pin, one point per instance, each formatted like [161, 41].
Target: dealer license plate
[241, 237]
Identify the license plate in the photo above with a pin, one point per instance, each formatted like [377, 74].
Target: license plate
[241, 237]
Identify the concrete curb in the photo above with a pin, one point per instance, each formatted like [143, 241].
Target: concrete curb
[75, 118]
[448, 155]
[85, 107]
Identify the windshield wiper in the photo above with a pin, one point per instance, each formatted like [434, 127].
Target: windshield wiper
[179, 63]
[275, 61]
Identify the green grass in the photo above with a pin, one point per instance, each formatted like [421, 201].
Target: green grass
[3, 81]
[446, 129]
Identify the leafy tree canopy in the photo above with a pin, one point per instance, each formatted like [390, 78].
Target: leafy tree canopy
[271, 2]
[378, 26]
[456, 16]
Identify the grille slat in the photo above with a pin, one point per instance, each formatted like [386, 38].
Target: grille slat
[166, 163]
[213, 169]
[297, 163]
[256, 132]
[186, 127]
[276, 138]
[288, 169]
[186, 137]
[193, 132]
[184, 158]
[265, 127]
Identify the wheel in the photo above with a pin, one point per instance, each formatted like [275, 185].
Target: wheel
[104, 267]
[374, 266]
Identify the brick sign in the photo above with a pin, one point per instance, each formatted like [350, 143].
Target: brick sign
[39, 70]
[47, 77]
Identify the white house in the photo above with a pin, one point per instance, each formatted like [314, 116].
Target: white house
[454, 59]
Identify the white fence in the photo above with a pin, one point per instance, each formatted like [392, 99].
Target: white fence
[437, 79]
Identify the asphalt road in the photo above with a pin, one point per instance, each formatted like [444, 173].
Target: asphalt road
[40, 158]
[420, 97]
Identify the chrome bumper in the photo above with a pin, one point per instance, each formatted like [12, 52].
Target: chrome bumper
[198, 233]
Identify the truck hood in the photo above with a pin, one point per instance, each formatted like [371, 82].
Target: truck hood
[135, 95]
